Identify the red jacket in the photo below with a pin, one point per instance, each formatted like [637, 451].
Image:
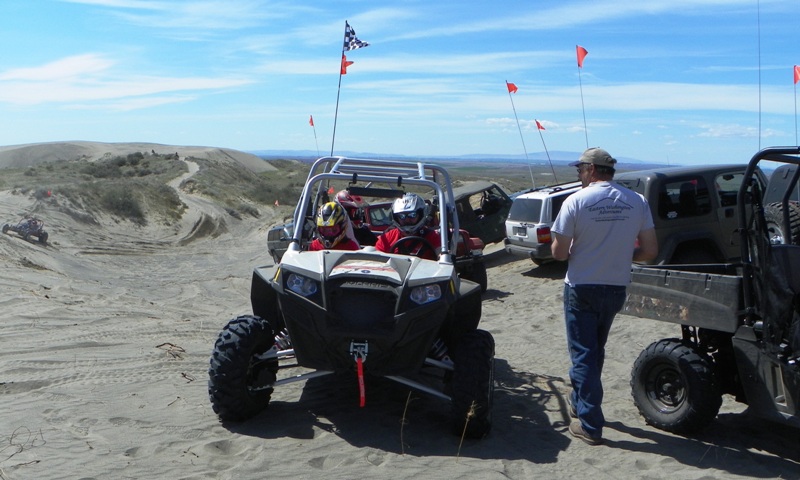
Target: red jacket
[345, 244]
[389, 237]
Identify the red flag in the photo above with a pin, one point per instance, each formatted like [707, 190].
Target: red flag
[311, 120]
[539, 125]
[581, 55]
[345, 64]
[331, 190]
[511, 87]
[796, 74]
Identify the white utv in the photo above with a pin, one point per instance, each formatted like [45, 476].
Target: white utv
[364, 313]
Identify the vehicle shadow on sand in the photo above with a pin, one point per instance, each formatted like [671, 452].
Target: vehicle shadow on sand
[734, 443]
[398, 420]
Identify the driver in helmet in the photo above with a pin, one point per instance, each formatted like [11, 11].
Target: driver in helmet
[331, 232]
[354, 206]
[411, 218]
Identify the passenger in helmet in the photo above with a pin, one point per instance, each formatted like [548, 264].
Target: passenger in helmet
[354, 206]
[331, 232]
[411, 218]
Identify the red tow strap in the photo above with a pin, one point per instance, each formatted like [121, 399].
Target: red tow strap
[362, 396]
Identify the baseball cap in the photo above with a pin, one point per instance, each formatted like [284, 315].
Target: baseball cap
[597, 156]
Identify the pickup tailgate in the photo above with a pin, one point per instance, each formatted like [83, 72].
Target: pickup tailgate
[705, 296]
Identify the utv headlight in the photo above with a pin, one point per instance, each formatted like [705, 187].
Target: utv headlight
[301, 285]
[426, 294]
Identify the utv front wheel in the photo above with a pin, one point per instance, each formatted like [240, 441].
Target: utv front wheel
[478, 275]
[5, 227]
[473, 384]
[239, 382]
[673, 387]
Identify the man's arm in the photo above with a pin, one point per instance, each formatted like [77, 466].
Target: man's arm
[560, 246]
[648, 246]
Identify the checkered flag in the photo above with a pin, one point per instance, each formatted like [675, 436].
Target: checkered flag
[350, 40]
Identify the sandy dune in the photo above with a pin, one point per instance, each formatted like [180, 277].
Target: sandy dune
[106, 332]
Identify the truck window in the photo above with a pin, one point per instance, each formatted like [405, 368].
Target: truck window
[526, 210]
[687, 197]
[727, 185]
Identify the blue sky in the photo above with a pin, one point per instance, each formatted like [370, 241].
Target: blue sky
[678, 81]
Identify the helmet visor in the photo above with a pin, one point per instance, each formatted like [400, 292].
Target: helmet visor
[406, 217]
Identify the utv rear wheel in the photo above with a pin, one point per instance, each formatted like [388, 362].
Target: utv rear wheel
[240, 383]
[673, 387]
[473, 384]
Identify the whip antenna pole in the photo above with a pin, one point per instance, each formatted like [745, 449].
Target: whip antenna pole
[511, 89]
[539, 127]
[581, 52]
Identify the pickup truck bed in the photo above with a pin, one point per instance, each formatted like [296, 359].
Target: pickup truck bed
[706, 296]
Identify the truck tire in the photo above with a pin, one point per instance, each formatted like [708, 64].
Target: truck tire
[773, 214]
[473, 384]
[239, 385]
[674, 388]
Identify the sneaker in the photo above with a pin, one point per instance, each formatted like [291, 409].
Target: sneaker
[577, 431]
[573, 412]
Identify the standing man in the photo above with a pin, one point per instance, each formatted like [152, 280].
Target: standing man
[600, 230]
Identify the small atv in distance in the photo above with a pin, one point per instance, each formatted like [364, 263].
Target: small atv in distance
[28, 227]
[364, 313]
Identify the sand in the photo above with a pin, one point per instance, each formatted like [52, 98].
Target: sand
[105, 338]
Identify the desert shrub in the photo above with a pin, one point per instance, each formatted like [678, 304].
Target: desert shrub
[106, 169]
[135, 158]
[249, 210]
[233, 213]
[122, 203]
[41, 193]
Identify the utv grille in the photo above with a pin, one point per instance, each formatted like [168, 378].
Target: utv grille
[360, 310]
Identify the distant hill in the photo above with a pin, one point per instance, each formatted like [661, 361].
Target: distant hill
[22, 156]
[561, 158]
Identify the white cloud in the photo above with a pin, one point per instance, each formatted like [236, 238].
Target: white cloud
[85, 78]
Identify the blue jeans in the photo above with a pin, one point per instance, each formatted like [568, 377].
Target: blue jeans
[589, 311]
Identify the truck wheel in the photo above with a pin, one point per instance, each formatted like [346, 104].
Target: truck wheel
[773, 214]
[239, 383]
[674, 387]
[473, 384]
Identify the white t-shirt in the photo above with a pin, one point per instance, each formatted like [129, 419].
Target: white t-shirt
[603, 221]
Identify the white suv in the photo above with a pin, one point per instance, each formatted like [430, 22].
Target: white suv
[530, 218]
